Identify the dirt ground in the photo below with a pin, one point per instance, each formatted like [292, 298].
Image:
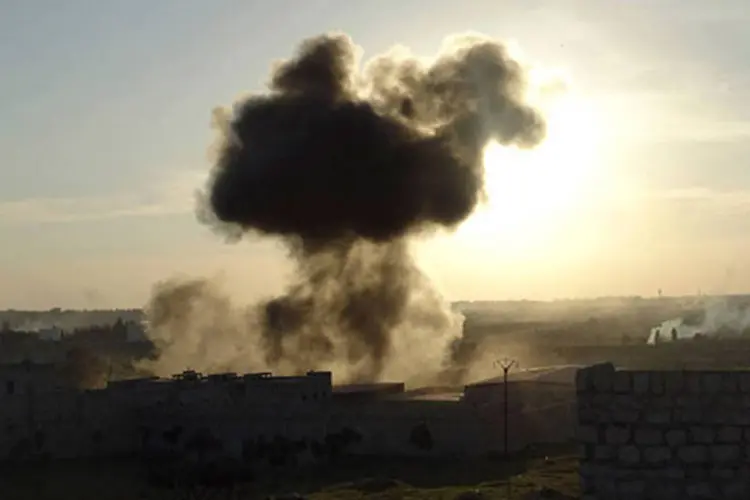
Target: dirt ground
[554, 468]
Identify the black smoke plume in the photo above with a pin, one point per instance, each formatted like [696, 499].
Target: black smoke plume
[345, 167]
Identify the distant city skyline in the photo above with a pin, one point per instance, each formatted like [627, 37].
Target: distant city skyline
[105, 133]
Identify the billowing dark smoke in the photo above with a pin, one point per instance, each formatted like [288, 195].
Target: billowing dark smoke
[345, 167]
[320, 161]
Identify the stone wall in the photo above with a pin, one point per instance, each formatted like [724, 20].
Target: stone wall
[663, 434]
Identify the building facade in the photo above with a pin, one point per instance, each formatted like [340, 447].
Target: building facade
[255, 414]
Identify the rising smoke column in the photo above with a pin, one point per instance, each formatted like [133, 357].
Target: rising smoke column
[345, 167]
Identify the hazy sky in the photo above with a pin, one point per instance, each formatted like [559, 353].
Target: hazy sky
[104, 131]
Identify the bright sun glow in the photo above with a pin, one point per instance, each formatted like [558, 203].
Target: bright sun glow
[531, 193]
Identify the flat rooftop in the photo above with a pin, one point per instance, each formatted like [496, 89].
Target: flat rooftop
[365, 389]
[561, 374]
[437, 396]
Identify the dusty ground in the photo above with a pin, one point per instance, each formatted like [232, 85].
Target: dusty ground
[359, 479]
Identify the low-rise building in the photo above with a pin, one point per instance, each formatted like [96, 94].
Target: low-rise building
[260, 414]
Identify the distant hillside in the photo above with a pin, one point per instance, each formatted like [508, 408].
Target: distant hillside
[64, 318]
[493, 311]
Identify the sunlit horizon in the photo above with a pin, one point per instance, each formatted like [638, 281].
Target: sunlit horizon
[642, 183]
[531, 194]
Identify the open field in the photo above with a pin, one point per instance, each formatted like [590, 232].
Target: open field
[357, 479]
[702, 354]
[615, 330]
[690, 354]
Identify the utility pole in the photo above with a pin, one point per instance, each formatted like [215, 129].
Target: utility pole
[506, 364]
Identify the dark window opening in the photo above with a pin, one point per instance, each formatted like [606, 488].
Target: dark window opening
[10, 387]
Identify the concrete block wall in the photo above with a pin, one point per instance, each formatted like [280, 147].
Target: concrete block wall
[663, 434]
